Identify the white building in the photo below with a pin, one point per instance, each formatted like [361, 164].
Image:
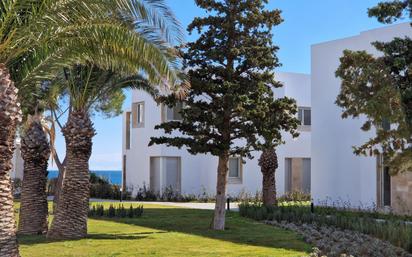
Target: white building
[323, 153]
[17, 170]
[336, 172]
[160, 166]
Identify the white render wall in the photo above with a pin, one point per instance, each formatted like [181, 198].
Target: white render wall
[198, 173]
[18, 163]
[336, 172]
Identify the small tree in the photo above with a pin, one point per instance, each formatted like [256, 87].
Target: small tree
[230, 62]
[271, 118]
[381, 89]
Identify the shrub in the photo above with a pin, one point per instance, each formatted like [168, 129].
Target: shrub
[115, 211]
[169, 194]
[394, 230]
[51, 186]
[101, 188]
[16, 187]
[295, 196]
[145, 194]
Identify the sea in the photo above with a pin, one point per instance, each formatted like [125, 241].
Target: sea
[113, 176]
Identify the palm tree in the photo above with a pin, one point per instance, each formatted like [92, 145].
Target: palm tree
[35, 151]
[268, 163]
[272, 117]
[39, 37]
[10, 116]
[88, 88]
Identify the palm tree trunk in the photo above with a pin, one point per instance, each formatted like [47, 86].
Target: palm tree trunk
[35, 150]
[70, 220]
[10, 117]
[268, 163]
[219, 215]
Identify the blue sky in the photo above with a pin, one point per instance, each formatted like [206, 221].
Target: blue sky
[306, 22]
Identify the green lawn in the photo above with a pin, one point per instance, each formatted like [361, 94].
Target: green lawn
[170, 231]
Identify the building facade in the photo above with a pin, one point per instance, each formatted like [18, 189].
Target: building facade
[338, 176]
[159, 167]
[321, 161]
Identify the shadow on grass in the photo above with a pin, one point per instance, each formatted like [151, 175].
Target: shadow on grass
[239, 230]
[33, 240]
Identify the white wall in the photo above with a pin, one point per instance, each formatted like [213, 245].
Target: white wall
[336, 172]
[199, 172]
[18, 163]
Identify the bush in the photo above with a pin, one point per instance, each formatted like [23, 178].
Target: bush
[16, 187]
[145, 194]
[101, 188]
[115, 211]
[392, 229]
[171, 195]
[295, 196]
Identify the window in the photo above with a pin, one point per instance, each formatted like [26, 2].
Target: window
[124, 173]
[138, 115]
[386, 187]
[128, 114]
[235, 170]
[165, 174]
[306, 175]
[386, 125]
[171, 114]
[288, 175]
[305, 116]
[297, 175]
[383, 177]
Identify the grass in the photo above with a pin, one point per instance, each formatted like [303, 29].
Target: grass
[171, 231]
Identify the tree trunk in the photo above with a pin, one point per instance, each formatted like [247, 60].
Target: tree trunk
[58, 187]
[268, 163]
[10, 117]
[219, 216]
[70, 220]
[35, 151]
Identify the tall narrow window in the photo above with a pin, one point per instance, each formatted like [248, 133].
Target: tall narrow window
[288, 175]
[305, 116]
[235, 170]
[386, 187]
[306, 176]
[138, 115]
[124, 174]
[128, 114]
[172, 113]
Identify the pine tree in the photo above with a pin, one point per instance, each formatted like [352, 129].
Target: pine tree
[230, 62]
[381, 89]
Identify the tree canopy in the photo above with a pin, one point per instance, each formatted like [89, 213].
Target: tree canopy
[380, 88]
[233, 58]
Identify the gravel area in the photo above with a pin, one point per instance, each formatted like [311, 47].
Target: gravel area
[333, 242]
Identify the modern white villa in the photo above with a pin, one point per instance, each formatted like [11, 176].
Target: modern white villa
[320, 161]
[160, 166]
[336, 172]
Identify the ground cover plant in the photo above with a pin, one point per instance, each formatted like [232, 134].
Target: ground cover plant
[170, 231]
[392, 229]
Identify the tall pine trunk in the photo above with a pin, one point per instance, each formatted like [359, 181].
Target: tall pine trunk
[219, 215]
[35, 151]
[268, 163]
[10, 117]
[70, 220]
